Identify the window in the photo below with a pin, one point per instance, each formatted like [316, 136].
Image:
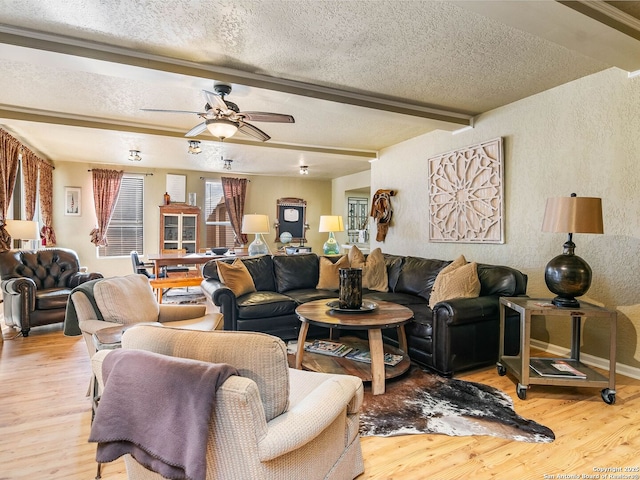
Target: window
[126, 230]
[217, 224]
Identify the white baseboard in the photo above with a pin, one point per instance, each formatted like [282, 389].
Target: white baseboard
[587, 359]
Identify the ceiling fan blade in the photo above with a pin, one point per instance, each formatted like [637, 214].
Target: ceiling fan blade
[171, 111]
[253, 131]
[216, 101]
[268, 117]
[197, 130]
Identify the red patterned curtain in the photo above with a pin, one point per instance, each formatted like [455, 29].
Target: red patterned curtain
[46, 203]
[9, 149]
[235, 191]
[30, 175]
[106, 187]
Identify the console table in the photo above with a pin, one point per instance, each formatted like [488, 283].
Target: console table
[519, 365]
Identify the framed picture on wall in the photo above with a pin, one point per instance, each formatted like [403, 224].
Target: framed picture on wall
[72, 198]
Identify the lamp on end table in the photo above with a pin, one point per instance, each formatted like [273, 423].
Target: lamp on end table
[257, 224]
[22, 230]
[331, 223]
[568, 275]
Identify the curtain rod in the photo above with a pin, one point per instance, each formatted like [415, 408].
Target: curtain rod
[207, 178]
[133, 173]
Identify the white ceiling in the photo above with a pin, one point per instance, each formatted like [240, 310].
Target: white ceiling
[358, 76]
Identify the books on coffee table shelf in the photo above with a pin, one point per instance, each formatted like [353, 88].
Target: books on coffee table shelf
[365, 356]
[328, 348]
[554, 367]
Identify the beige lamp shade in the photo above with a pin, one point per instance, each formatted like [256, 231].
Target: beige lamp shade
[331, 223]
[255, 223]
[23, 229]
[573, 215]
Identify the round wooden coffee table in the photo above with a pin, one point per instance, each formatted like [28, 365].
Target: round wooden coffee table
[386, 315]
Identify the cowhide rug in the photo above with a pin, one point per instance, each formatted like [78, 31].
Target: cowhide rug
[423, 402]
[183, 296]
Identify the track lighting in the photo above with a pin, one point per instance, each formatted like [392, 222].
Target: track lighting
[304, 170]
[227, 164]
[194, 147]
[134, 156]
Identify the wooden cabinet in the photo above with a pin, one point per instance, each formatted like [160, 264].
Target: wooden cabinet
[179, 227]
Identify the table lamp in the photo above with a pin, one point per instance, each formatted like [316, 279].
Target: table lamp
[331, 223]
[257, 224]
[23, 230]
[568, 275]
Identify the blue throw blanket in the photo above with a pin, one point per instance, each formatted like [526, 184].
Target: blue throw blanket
[157, 408]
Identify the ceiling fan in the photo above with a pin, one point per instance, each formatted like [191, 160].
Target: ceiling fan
[223, 118]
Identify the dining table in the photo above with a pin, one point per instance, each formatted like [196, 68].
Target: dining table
[166, 259]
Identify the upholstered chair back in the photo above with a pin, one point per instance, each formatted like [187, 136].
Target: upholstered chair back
[258, 356]
[127, 299]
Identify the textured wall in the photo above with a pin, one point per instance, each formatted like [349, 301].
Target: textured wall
[581, 137]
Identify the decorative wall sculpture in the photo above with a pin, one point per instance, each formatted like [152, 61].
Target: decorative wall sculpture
[382, 212]
[466, 195]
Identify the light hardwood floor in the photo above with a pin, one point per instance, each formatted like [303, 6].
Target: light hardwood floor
[45, 418]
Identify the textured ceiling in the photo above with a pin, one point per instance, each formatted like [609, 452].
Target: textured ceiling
[358, 76]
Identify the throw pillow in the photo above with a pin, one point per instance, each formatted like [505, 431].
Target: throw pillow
[236, 276]
[330, 273]
[457, 282]
[127, 299]
[374, 269]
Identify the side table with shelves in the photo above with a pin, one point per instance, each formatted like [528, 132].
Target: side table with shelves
[519, 365]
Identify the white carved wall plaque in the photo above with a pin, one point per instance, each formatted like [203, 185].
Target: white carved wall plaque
[466, 195]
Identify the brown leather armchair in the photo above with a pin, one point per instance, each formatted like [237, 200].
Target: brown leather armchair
[36, 285]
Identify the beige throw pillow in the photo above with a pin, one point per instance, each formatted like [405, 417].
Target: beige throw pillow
[457, 280]
[236, 276]
[126, 300]
[330, 273]
[374, 269]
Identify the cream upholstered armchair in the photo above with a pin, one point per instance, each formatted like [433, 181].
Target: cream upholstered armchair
[271, 422]
[127, 300]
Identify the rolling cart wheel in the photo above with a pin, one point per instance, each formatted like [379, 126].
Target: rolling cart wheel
[521, 390]
[608, 395]
[502, 370]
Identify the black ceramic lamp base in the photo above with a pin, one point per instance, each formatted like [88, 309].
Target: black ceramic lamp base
[568, 276]
[563, 302]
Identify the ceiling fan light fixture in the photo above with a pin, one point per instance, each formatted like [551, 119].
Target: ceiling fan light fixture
[194, 147]
[222, 128]
[304, 170]
[134, 156]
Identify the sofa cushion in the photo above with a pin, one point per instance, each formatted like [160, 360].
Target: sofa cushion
[458, 282]
[310, 294]
[261, 270]
[394, 266]
[127, 299]
[52, 298]
[374, 268]
[236, 277]
[294, 272]
[418, 275]
[265, 304]
[329, 277]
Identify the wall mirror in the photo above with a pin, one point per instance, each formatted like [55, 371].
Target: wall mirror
[292, 218]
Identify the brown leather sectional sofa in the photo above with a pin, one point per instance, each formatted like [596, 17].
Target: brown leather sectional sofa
[458, 334]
